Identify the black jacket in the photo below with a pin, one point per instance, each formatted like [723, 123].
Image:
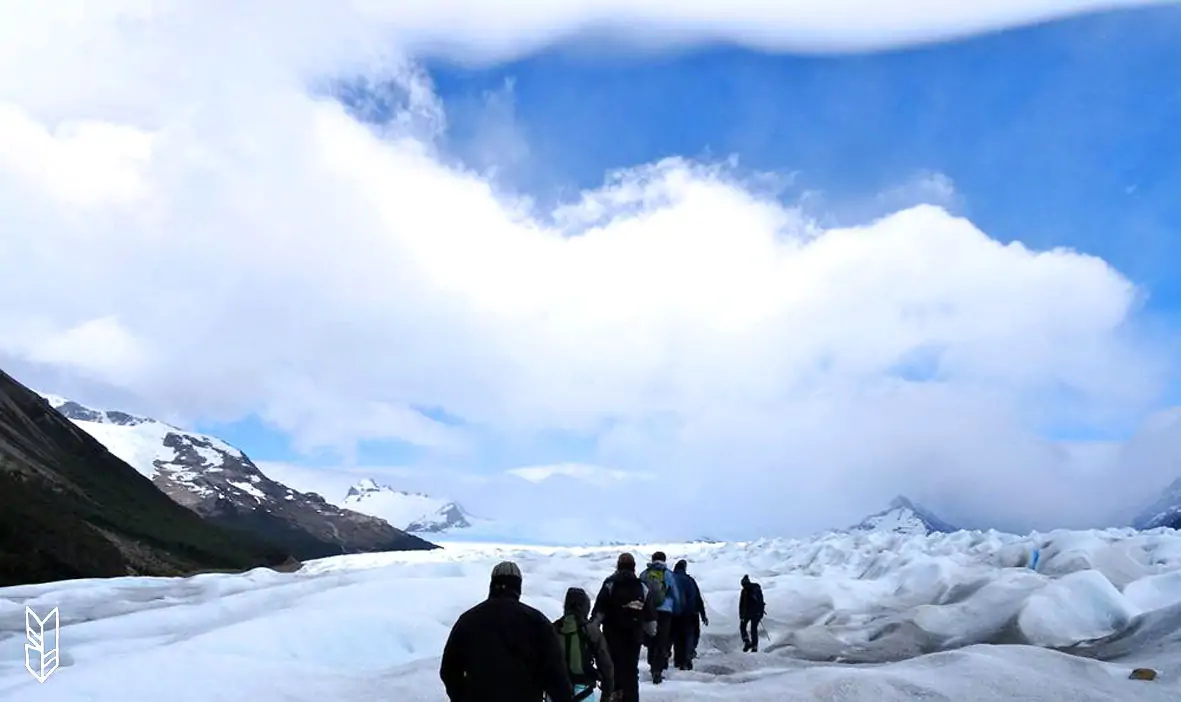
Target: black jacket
[503, 650]
[624, 607]
[751, 606]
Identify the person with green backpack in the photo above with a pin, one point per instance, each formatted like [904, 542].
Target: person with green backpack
[666, 599]
[584, 649]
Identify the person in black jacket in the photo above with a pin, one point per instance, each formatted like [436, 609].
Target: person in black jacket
[503, 650]
[627, 615]
[686, 626]
[751, 609]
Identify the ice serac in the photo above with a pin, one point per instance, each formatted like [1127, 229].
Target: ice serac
[222, 484]
[413, 511]
[1165, 512]
[904, 517]
[70, 508]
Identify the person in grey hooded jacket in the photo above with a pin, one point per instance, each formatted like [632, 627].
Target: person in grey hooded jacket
[584, 648]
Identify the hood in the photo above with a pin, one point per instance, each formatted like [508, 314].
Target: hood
[577, 603]
[657, 565]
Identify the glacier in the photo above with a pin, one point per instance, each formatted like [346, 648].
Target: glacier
[852, 617]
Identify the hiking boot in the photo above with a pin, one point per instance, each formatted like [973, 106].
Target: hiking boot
[746, 648]
[657, 677]
[689, 666]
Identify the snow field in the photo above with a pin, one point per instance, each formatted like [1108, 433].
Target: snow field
[851, 618]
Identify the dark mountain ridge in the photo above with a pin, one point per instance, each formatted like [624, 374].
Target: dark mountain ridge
[71, 509]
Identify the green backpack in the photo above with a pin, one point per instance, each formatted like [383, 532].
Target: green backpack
[580, 661]
[655, 578]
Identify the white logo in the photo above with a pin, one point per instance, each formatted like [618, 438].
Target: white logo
[41, 650]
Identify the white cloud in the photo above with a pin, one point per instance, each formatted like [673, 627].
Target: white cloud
[595, 475]
[204, 232]
[487, 30]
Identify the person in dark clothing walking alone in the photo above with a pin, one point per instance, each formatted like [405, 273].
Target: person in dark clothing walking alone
[662, 588]
[503, 650]
[751, 609]
[627, 615]
[686, 626]
[588, 660]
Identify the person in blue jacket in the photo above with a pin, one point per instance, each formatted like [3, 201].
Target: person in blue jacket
[666, 598]
[686, 629]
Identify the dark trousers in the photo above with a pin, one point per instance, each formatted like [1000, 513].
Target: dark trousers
[660, 647]
[686, 629]
[624, 649]
[751, 638]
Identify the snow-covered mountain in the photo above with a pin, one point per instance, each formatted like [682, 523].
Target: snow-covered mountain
[70, 509]
[904, 517]
[445, 520]
[411, 511]
[1165, 512]
[221, 483]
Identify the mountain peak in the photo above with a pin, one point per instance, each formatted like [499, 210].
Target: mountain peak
[902, 516]
[411, 511]
[79, 412]
[449, 516]
[365, 486]
[1164, 512]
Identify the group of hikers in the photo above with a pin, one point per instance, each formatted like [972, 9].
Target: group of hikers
[503, 650]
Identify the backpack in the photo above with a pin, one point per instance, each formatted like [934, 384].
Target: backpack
[618, 615]
[656, 580]
[576, 647]
[757, 607]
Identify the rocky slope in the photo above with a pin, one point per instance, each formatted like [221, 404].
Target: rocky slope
[904, 517]
[69, 508]
[222, 484]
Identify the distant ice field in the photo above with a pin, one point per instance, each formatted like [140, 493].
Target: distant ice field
[871, 617]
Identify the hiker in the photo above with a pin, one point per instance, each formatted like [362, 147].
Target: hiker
[627, 615]
[751, 609]
[503, 650]
[588, 661]
[666, 598]
[686, 626]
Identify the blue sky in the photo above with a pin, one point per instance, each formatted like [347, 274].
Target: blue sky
[1054, 135]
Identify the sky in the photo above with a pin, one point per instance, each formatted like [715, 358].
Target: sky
[724, 272]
